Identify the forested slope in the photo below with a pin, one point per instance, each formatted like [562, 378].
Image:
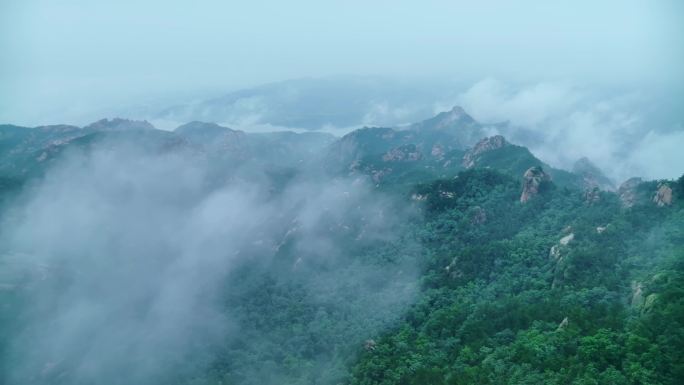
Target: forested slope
[561, 289]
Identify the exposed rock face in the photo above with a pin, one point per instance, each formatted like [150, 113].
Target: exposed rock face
[419, 197]
[118, 124]
[567, 239]
[627, 191]
[370, 345]
[555, 252]
[557, 255]
[532, 180]
[663, 196]
[485, 145]
[592, 176]
[407, 152]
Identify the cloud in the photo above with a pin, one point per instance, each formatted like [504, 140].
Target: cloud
[563, 121]
[128, 255]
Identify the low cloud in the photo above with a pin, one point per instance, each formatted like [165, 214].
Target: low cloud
[125, 256]
[561, 121]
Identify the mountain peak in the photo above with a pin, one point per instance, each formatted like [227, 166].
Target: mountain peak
[456, 115]
[592, 176]
[205, 127]
[213, 136]
[533, 179]
[454, 126]
[458, 110]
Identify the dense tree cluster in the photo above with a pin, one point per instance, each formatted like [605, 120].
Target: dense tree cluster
[505, 301]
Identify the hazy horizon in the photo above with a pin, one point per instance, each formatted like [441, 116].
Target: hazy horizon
[64, 62]
[598, 80]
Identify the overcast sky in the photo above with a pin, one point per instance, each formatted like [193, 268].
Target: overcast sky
[61, 57]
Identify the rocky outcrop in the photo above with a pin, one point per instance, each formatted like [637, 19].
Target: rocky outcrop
[408, 153]
[557, 255]
[419, 197]
[628, 191]
[533, 179]
[592, 176]
[487, 144]
[555, 252]
[567, 239]
[663, 196]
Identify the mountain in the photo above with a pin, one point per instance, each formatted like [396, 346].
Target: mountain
[28, 150]
[314, 103]
[118, 124]
[214, 137]
[454, 126]
[591, 175]
[440, 146]
[448, 131]
[427, 253]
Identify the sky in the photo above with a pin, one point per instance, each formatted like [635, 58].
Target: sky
[61, 59]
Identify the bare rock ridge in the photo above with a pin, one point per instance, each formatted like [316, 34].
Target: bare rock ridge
[487, 144]
[533, 179]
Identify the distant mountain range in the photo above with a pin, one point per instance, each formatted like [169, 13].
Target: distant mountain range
[441, 146]
[342, 101]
